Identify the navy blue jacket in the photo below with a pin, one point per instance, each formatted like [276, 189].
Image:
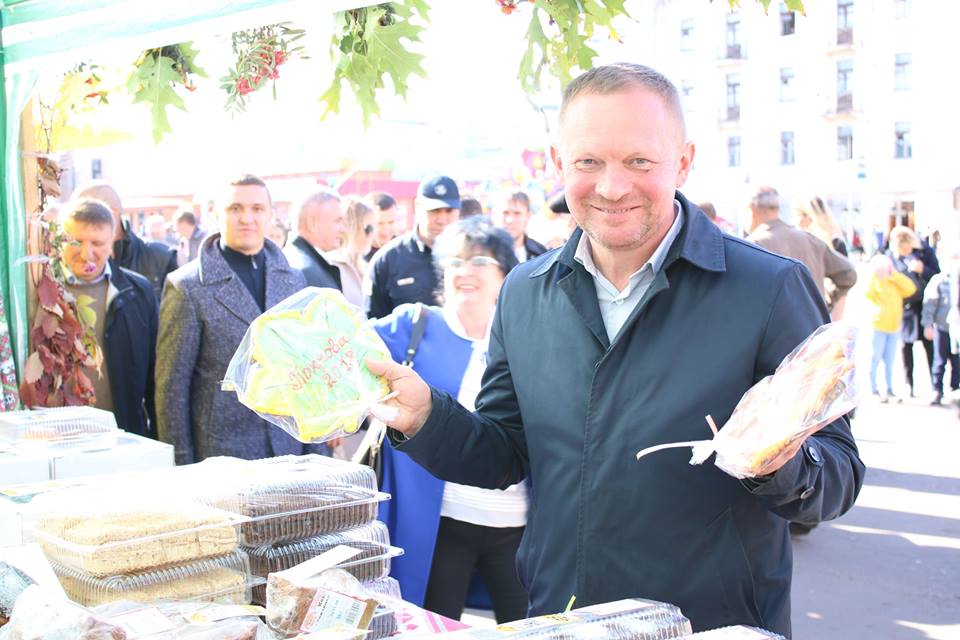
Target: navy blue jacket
[129, 349]
[303, 257]
[562, 405]
[402, 272]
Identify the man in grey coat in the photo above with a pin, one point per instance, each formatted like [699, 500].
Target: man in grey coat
[206, 308]
[647, 320]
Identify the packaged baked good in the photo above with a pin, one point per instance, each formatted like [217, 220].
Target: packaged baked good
[13, 582]
[224, 579]
[304, 601]
[174, 620]
[40, 614]
[105, 531]
[59, 427]
[302, 366]
[813, 386]
[285, 498]
[371, 563]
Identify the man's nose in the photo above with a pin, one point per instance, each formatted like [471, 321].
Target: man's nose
[613, 184]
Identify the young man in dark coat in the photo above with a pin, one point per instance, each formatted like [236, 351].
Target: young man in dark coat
[513, 214]
[206, 309]
[321, 228]
[152, 260]
[125, 311]
[648, 319]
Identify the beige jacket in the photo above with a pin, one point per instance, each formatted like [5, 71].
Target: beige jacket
[823, 262]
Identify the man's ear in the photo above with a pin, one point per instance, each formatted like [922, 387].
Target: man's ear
[557, 160]
[685, 163]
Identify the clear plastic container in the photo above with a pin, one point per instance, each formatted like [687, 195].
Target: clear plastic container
[286, 498]
[633, 619]
[185, 620]
[222, 579]
[59, 427]
[371, 565]
[735, 633]
[111, 530]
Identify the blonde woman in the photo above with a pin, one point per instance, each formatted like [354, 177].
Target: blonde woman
[816, 218]
[351, 257]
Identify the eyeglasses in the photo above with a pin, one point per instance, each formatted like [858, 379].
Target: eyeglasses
[474, 261]
[368, 229]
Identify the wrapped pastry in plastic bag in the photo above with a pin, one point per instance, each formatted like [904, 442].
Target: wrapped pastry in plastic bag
[813, 386]
[301, 365]
[40, 615]
[183, 620]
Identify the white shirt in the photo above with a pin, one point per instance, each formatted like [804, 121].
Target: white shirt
[616, 306]
[485, 507]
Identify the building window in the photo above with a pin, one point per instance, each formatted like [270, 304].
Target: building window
[901, 71]
[845, 143]
[96, 169]
[787, 85]
[733, 34]
[733, 151]
[844, 85]
[733, 96]
[686, 94]
[686, 35]
[788, 20]
[903, 148]
[901, 8]
[786, 147]
[844, 21]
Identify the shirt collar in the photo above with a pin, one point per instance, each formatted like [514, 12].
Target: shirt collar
[584, 254]
[74, 281]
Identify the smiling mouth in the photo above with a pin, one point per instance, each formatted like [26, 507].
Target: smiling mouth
[612, 210]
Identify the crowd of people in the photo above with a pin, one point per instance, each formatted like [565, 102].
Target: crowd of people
[546, 369]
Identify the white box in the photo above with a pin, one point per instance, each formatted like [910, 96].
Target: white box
[17, 466]
[131, 453]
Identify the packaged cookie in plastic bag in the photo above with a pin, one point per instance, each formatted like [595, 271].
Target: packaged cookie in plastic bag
[813, 386]
[302, 366]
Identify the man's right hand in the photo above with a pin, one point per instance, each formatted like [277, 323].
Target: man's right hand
[411, 403]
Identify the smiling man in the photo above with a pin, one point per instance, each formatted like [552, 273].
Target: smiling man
[206, 308]
[513, 214]
[648, 319]
[125, 316]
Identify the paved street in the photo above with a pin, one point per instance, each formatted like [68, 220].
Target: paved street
[890, 568]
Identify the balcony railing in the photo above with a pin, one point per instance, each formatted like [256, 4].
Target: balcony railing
[734, 51]
[733, 112]
[845, 36]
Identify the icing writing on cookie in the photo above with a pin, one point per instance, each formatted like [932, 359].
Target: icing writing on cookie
[335, 360]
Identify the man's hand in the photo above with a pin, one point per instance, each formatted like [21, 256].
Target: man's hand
[411, 403]
[928, 332]
[916, 266]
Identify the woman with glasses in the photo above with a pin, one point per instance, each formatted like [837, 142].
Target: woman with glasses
[351, 257]
[451, 532]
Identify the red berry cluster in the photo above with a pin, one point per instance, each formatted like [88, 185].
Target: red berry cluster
[507, 6]
[265, 66]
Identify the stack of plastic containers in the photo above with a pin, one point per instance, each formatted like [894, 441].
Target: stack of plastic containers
[60, 426]
[191, 532]
[124, 541]
[302, 506]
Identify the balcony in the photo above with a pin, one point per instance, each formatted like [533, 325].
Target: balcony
[845, 103]
[734, 52]
[845, 36]
[731, 55]
[733, 113]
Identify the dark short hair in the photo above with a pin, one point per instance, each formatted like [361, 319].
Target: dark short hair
[558, 203]
[521, 197]
[188, 217]
[248, 179]
[470, 207]
[611, 78]
[90, 211]
[382, 200]
[477, 233]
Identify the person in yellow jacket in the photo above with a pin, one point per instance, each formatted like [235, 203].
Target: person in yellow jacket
[887, 290]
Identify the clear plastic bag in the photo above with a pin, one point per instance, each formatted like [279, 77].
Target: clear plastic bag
[813, 386]
[301, 366]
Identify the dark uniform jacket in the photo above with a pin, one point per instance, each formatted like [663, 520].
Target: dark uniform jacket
[152, 260]
[567, 408]
[302, 256]
[533, 247]
[129, 350]
[402, 272]
[204, 315]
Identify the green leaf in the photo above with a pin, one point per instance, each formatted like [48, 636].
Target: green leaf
[152, 83]
[85, 311]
